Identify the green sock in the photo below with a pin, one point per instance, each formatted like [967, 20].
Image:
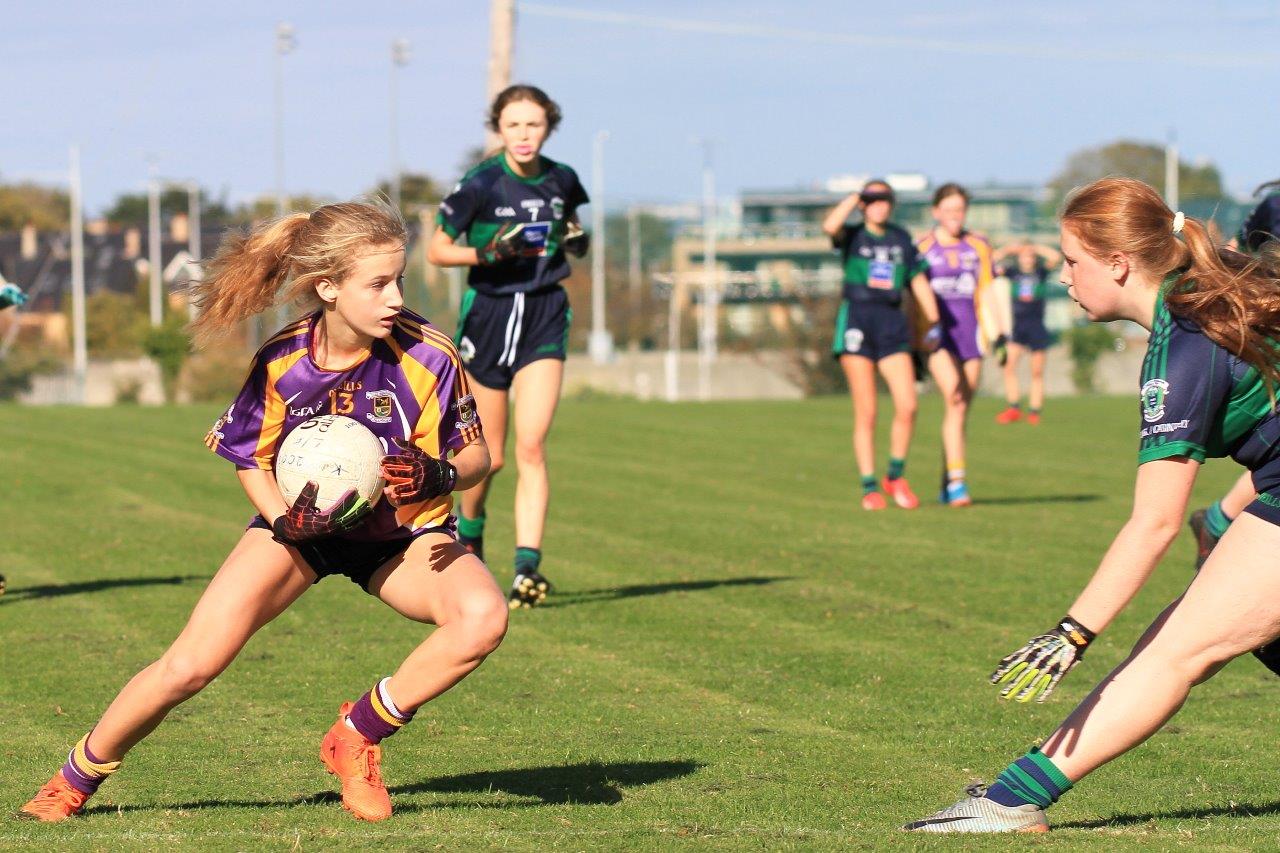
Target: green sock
[470, 528]
[1032, 779]
[527, 560]
[896, 467]
[1216, 520]
[869, 484]
[1016, 404]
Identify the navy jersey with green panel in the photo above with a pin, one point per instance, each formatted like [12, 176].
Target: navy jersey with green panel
[877, 266]
[1200, 401]
[490, 197]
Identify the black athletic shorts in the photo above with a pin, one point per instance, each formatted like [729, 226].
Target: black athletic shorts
[874, 330]
[1029, 330]
[353, 559]
[1267, 481]
[498, 335]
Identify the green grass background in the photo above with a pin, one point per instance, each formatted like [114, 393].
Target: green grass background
[736, 657]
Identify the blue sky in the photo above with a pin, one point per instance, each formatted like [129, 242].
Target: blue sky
[791, 93]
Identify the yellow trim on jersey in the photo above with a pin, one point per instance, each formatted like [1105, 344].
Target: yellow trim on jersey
[274, 409]
[982, 293]
[290, 331]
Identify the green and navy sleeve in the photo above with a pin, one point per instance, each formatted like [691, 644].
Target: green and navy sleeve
[1186, 381]
[460, 208]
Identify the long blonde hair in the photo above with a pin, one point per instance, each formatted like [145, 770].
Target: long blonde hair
[1233, 297]
[289, 255]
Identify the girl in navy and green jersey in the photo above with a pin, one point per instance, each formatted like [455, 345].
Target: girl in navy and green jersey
[1028, 276]
[1206, 390]
[518, 213]
[880, 261]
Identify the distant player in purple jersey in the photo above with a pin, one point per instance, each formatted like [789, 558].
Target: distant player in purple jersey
[1028, 277]
[363, 355]
[518, 212]
[960, 273]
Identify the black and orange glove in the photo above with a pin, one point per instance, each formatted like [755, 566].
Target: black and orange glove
[413, 475]
[302, 522]
[505, 246]
[1033, 671]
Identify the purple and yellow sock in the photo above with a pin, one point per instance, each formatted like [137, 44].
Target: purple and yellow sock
[375, 716]
[85, 771]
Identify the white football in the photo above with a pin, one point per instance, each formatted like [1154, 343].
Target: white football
[338, 453]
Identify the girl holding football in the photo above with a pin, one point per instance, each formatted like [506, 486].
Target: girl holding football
[518, 212]
[359, 350]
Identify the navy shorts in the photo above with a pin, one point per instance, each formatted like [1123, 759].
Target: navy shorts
[1029, 331]
[872, 330]
[498, 335]
[1267, 481]
[353, 559]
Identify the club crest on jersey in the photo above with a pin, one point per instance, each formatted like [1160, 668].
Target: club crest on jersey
[557, 208]
[466, 412]
[853, 340]
[1153, 393]
[380, 405]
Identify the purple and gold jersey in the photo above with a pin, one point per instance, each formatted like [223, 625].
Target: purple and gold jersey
[961, 274]
[409, 386]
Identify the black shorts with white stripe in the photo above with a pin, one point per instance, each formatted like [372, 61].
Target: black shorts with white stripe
[498, 335]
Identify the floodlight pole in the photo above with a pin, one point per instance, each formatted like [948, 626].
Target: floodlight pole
[710, 290]
[399, 59]
[80, 358]
[285, 43]
[601, 342]
[1171, 171]
[194, 248]
[634, 273]
[155, 256]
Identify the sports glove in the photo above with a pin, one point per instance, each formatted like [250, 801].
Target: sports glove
[576, 241]
[505, 246]
[414, 475]
[302, 522]
[11, 295]
[1034, 670]
[933, 338]
[1000, 346]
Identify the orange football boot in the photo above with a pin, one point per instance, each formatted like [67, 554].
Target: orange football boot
[901, 493]
[1009, 415]
[1033, 418]
[873, 500]
[56, 801]
[358, 763]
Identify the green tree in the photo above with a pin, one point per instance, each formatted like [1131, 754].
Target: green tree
[417, 191]
[169, 345]
[1133, 159]
[113, 325]
[46, 208]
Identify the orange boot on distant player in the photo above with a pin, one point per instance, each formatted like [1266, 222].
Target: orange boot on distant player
[1010, 415]
[56, 801]
[358, 764]
[900, 491]
[1033, 417]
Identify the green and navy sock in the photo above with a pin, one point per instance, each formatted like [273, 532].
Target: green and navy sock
[1032, 779]
[869, 484]
[896, 468]
[528, 560]
[470, 530]
[1016, 404]
[1215, 520]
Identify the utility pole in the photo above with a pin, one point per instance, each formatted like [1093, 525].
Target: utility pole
[285, 43]
[1171, 171]
[154, 238]
[635, 275]
[601, 342]
[502, 35]
[193, 245]
[710, 289]
[80, 358]
[399, 59]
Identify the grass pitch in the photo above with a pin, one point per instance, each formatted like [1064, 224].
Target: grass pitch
[736, 656]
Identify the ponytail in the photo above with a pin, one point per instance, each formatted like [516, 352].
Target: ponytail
[245, 275]
[291, 254]
[1233, 298]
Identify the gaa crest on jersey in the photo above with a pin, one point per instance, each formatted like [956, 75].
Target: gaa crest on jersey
[466, 350]
[466, 412]
[1153, 393]
[557, 208]
[380, 406]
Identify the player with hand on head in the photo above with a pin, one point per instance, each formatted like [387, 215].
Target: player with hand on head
[1028, 277]
[1211, 361]
[363, 355]
[960, 272]
[880, 261]
[518, 211]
